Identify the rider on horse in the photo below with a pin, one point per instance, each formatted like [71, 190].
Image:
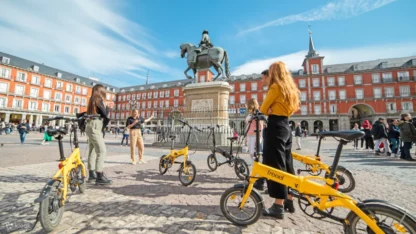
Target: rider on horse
[205, 44]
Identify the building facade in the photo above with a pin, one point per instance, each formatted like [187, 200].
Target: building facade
[33, 91]
[333, 97]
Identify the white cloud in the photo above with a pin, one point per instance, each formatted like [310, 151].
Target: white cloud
[79, 36]
[172, 54]
[332, 56]
[341, 9]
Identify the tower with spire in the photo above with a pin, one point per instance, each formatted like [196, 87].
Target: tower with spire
[312, 64]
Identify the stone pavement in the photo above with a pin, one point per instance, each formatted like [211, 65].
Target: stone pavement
[142, 201]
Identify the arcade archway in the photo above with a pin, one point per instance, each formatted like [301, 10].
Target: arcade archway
[318, 124]
[304, 125]
[359, 113]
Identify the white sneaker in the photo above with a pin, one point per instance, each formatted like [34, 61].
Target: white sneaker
[142, 161]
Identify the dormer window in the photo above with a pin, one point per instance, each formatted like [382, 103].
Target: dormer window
[113, 90]
[165, 85]
[107, 88]
[300, 72]
[328, 70]
[77, 80]
[93, 83]
[131, 90]
[5, 60]
[59, 75]
[383, 65]
[35, 68]
[152, 87]
[179, 84]
[141, 88]
[123, 90]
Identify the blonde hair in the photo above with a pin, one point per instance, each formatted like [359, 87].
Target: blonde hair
[280, 75]
[252, 105]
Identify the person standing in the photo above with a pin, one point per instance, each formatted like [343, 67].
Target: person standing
[252, 106]
[356, 128]
[2, 127]
[134, 124]
[380, 136]
[116, 131]
[407, 135]
[368, 138]
[281, 101]
[46, 137]
[125, 136]
[298, 136]
[394, 135]
[23, 129]
[95, 126]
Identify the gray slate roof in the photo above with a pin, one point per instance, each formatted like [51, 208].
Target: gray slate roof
[50, 71]
[166, 84]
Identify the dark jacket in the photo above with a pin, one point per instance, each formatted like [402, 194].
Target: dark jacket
[22, 130]
[394, 131]
[367, 133]
[138, 125]
[407, 131]
[103, 112]
[379, 130]
[298, 131]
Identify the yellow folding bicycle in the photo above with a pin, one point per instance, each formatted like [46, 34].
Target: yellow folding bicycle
[187, 170]
[314, 166]
[71, 174]
[242, 204]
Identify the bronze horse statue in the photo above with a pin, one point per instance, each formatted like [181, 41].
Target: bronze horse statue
[214, 56]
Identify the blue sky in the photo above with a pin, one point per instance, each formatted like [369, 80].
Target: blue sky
[120, 41]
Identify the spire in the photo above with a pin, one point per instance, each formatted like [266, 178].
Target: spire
[147, 77]
[311, 52]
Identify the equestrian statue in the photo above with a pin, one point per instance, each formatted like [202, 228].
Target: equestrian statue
[205, 56]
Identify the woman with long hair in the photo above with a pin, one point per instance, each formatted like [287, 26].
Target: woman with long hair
[94, 129]
[135, 124]
[281, 101]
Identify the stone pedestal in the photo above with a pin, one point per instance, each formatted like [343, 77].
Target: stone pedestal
[207, 103]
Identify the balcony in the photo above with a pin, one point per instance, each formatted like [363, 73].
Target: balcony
[392, 111]
[388, 80]
[405, 78]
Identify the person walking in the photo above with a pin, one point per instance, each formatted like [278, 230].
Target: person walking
[368, 138]
[407, 136]
[95, 126]
[116, 132]
[356, 128]
[394, 135]
[298, 136]
[46, 137]
[380, 136]
[23, 128]
[252, 106]
[134, 124]
[126, 134]
[281, 101]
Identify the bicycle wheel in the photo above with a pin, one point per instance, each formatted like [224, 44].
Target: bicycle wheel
[241, 169]
[248, 215]
[345, 179]
[212, 162]
[163, 165]
[81, 185]
[389, 219]
[187, 175]
[51, 211]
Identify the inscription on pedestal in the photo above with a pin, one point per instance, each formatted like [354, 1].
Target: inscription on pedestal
[202, 105]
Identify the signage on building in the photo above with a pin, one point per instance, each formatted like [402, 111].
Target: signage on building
[243, 110]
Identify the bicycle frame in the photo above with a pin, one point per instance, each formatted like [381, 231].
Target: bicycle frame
[314, 161]
[304, 185]
[174, 154]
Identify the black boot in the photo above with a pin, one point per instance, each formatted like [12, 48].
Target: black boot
[288, 204]
[275, 210]
[102, 180]
[92, 177]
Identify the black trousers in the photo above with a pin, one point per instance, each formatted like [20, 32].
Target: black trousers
[278, 152]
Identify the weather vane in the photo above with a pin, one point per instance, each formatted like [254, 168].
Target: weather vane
[309, 29]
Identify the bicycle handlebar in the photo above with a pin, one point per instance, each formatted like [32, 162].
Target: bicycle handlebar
[73, 119]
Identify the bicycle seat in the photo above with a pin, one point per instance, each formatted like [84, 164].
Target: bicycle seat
[348, 135]
[173, 137]
[232, 138]
[53, 132]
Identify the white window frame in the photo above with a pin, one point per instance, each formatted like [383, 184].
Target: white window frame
[48, 83]
[58, 99]
[59, 85]
[242, 87]
[34, 95]
[155, 94]
[149, 95]
[404, 91]
[176, 93]
[253, 86]
[304, 110]
[303, 96]
[46, 104]
[166, 103]
[410, 105]
[331, 81]
[30, 105]
[138, 96]
[3, 102]
[83, 101]
[167, 93]
[233, 88]
[155, 104]
[70, 98]
[108, 96]
[316, 95]
[242, 99]
[78, 89]
[341, 80]
[317, 107]
[7, 87]
[69, 87]
[302, 83]
[391, 110]
[387, 77]
[232, 100]
[19, 76]
[389, 91]
[254, 95]
[67, 112]
[358, 79]
[5, 73]
[315, 82]
[162, 94]
[342, 94]
[359, 94]
[76, 110]
[315, 69]
[54, 108]
[332, 95]
[15, 102]
[77, 100]
[375, 78]
[176, 103]
[378, 94]
[35, 80]
[84, 91]
[333, 110]
[23, 90]
[161, 103]
[128, 97]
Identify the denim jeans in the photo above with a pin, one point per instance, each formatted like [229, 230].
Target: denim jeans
[394, 145]
[22, 137]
